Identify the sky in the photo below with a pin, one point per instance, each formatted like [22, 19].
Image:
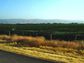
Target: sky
[42, 9]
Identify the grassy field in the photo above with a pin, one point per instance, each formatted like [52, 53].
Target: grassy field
[39, 47]
[60, 31]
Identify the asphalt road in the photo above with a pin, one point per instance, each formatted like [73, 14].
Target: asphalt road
[7, 57]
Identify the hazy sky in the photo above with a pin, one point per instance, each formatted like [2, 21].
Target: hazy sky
[42, 9]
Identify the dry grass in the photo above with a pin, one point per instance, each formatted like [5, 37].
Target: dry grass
[65, 51]
[41, 41]
[65, 44]
[44, 53]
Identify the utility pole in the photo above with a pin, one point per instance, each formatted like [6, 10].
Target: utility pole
[13, 29]
[76, 36]
[50, 36]
[9, 33]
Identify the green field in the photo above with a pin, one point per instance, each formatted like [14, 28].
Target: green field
[59, 31]
[50, 27]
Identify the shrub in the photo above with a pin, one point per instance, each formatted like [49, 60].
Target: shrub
[36, 41]
[64, 44]
[41, 41]
[28, 40]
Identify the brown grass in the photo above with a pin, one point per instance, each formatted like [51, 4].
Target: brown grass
[41, 41]
[67, 51]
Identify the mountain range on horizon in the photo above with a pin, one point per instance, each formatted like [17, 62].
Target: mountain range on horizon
[37, 21]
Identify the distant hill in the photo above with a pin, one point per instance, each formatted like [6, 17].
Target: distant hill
[24, 21]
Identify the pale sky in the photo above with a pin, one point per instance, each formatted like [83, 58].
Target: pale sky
[42, 9]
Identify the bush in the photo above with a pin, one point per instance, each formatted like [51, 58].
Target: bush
[64, 44]
[36, 41]
[41, 41]
[28, 40]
